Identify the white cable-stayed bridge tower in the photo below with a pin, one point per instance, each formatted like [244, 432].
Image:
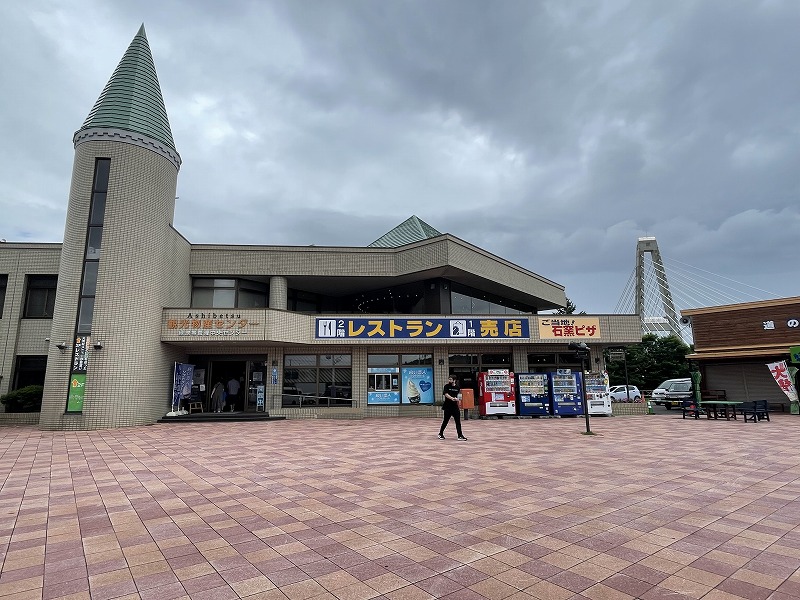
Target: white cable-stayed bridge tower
[658, 289]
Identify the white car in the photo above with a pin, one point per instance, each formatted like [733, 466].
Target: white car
[618, 393]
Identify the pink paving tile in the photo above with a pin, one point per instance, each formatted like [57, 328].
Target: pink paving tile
[64, 588]
[466, 575]
[115, 485]
[202, 583]
[439, 585]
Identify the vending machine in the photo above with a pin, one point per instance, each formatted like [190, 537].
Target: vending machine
[567, 392]
[533, 394]
[598, 400]
[496, 396]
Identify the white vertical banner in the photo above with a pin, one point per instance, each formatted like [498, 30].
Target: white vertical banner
[780, 372]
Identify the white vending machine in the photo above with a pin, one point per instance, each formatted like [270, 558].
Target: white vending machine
[598, 399]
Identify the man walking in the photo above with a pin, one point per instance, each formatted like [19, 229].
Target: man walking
[233, 392]
[450, 407]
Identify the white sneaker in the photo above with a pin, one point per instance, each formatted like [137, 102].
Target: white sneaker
[441, 437]
[461, 438]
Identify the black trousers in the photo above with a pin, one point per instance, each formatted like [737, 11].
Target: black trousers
[450, 409]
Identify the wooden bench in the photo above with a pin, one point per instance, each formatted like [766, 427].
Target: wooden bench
[690, 408]
[195, 406]
[756, 411]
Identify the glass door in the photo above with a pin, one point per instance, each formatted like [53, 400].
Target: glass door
[256, 386]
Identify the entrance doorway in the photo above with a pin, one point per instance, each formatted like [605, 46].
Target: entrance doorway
[232, 373]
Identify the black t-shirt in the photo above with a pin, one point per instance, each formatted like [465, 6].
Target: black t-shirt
[451, 390]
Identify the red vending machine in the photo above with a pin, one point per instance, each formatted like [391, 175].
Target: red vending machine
[496, 395]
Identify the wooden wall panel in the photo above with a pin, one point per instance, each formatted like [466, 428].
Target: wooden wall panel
[746, 327]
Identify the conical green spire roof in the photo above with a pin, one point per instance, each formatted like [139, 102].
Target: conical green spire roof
[132, 99]
[411, 230]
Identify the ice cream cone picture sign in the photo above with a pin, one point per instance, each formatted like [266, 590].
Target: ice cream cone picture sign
[417, 385]
[412, 392]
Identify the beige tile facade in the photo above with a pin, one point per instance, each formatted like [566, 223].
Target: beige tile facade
[22, 337]
[141, 252]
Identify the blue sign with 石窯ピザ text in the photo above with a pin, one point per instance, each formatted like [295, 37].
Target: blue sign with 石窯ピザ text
[422, 329]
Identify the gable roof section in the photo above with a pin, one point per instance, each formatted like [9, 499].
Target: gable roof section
[411, 230]
[132, 99]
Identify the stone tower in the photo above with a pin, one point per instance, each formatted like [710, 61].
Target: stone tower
[121, 260]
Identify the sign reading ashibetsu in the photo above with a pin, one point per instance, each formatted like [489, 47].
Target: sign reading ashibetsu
[385, 329]
[569, 327]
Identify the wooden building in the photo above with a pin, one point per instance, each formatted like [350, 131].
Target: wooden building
[734, 343]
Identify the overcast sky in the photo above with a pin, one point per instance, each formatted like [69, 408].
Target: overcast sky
[553, 134]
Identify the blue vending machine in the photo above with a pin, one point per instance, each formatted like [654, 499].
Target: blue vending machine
[566, 387]
[533, 391]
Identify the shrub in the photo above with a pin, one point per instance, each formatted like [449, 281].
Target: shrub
[24, 400]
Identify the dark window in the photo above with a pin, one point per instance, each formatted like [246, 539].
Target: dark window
[94, 242]
[468, 301]
[89, 278]
[541, 359]
[228, 293]
[463, 359]
[29, 371]
[101, 170]
[300, 301]
[97, 215]
[412, 360]
[383, 360]
[3, 286]
[40, 298]
[494, 361]
[312, 380]
[85, 313]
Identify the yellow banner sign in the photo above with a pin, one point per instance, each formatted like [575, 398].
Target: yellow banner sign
[557, 327]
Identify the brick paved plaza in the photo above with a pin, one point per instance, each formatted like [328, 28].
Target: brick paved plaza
[652, 507]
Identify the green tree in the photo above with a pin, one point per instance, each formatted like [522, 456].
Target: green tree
[651, 362]
[569, 309]
[23, 400]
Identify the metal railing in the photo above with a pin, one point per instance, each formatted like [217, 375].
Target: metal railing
[307, 401]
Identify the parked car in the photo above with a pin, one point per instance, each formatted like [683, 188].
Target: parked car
[618, 393]
[677, 392]
[658, 396]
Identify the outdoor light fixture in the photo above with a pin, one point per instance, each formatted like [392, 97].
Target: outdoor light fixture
[62, 346]
[441, 361]
[98, 345]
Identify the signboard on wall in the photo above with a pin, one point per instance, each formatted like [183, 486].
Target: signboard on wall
[794, 353]
[568, 327]
[422, 329]
[417, 385]
[77, 388]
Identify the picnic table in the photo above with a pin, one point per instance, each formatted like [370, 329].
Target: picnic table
[716, 409]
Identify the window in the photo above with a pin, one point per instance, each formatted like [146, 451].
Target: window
[29, 370]
[94, 238]
[467, 301]
[463, 359]
[40, 298]
[317, 380]
[300, 301]
[94, 242]
[85, 314]
[228, 293]
[3, 286]
[496, 361]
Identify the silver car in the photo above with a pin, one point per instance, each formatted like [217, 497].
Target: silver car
[659, 395]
